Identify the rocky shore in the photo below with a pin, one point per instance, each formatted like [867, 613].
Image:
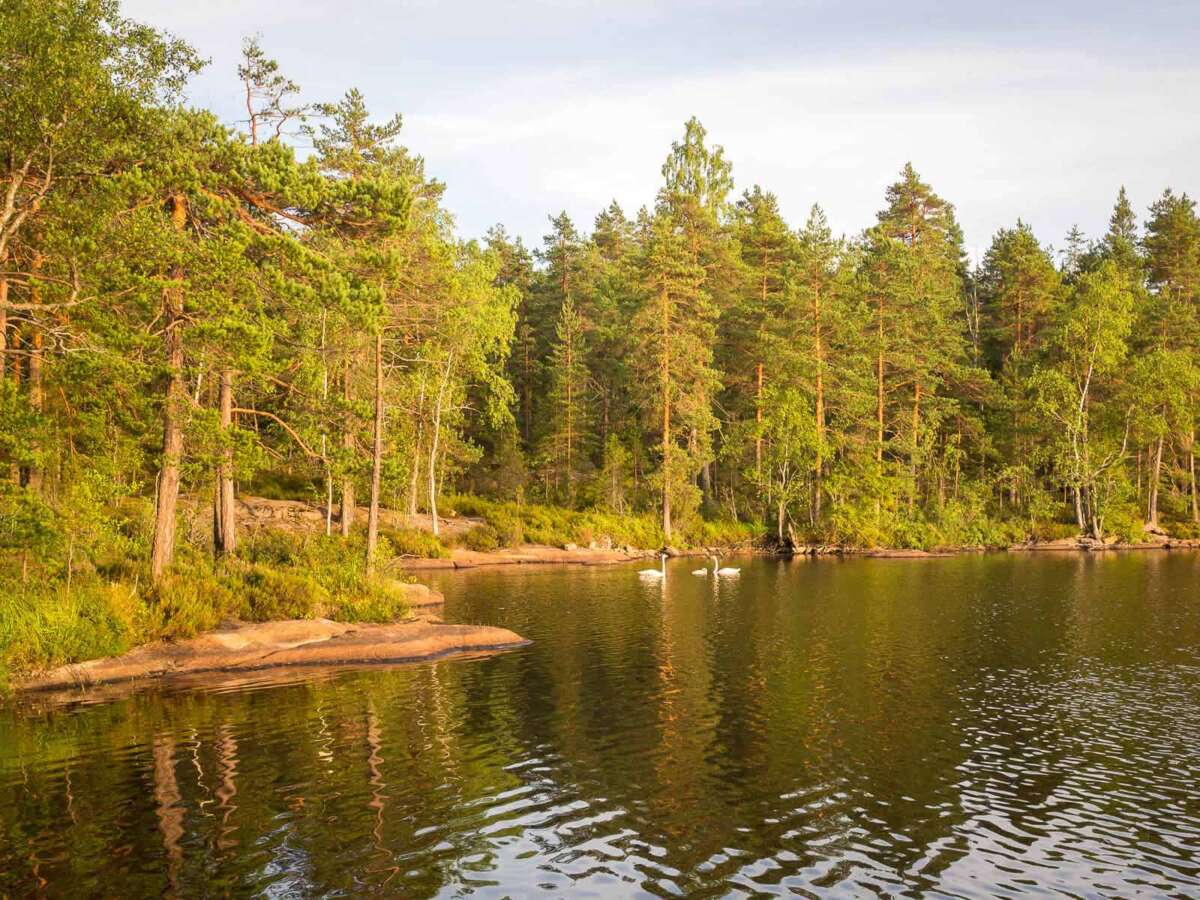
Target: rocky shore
[244, 647]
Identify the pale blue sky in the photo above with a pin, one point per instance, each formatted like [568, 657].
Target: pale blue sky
[1037, 110]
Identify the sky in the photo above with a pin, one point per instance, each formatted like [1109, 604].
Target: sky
[1012, 110]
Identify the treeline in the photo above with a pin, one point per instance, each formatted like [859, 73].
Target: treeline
[192, 309]
[704, 357]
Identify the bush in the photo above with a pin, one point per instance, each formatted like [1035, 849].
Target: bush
[383, 599]
[1124, 521]
[1184, 530]
[185, 604]
[414, 542]
[1053, 531]
[45, 628]
[284, 486]
[271, 594]
[482, 538]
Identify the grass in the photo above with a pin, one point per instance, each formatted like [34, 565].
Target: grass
[109, 610]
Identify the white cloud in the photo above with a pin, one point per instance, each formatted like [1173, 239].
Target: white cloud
[1039, 135]
[1002, 129]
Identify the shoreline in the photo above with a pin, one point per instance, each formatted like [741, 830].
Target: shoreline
[537, 555]
[291, 643]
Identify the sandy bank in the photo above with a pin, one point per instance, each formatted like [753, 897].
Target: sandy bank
[247, 647]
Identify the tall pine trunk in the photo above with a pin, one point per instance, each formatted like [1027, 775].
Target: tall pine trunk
[819, 356]
[1155, 477]
[349, 509]
[225, 534]
[1192, 475]
[162, 549]
[758, 418]
[3, 315]
[665, 375]
[376, 456]
[434, 441]
[879, 386]
[916, 446]
[37, 401]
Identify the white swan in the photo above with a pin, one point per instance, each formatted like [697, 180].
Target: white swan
[703, 571]
[656, 573]
[727, 570]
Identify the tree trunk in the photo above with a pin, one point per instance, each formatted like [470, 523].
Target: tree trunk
[348, 510]
[433, 444]
[226, 540]
[1079, 519]
[162, 549]
[415, 476]
[1192, 472]
[819, 463]
[3, 316]
[570, 430]
[780, 510]
[376, 456]
[1155, 476]
[37, 399]
[666, 419]
[758, 441]
[879, 388]
[665, 375]
[324, 436]
[916, 445]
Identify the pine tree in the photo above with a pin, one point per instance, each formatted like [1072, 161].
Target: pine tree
[565, 445]
[914, 269]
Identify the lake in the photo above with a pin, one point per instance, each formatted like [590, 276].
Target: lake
[982, 725]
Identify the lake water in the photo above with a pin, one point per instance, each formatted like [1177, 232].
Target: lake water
[976, 726]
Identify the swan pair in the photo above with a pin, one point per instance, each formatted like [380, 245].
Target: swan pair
[662, 572]
[717, 569]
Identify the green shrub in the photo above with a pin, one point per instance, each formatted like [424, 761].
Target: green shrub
[482, 538]
[1053, 531]
[272, 594]
[185, 604]
[1125, 522]
[45, 628]
[1184, 530]
[414, 542]
[284, 486]
[383, 599]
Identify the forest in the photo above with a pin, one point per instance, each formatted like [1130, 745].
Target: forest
[193, 311]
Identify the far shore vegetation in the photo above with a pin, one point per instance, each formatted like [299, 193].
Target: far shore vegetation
[193, 311]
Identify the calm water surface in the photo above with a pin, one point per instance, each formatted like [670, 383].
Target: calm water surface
[978, 726]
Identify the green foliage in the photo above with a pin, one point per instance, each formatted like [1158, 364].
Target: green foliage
[42, 627]
[382, 599]
[482, 538]
[511, 524]
[414, 542]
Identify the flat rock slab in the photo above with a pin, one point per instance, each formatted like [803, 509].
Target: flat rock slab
[300, 642]
[531, 554]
